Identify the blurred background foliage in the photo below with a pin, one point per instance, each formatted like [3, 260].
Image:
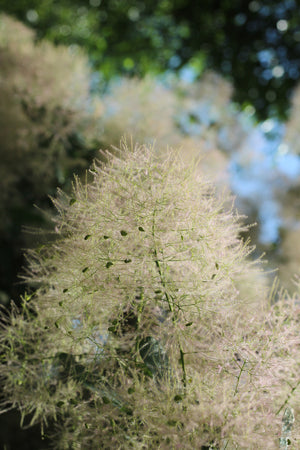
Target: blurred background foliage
[218, 79]
[254, 44]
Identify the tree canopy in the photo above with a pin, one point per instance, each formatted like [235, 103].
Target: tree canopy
[255, 44]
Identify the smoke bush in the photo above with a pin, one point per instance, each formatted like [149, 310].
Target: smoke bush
[48, 130]
[47, 116]
[292, 124]
[144, 109]
[147, 326]
[151, 111]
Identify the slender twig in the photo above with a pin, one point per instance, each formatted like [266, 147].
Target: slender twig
[158, 265]
[182, 365]
[169, 300]
[288, 398]
[239, 377]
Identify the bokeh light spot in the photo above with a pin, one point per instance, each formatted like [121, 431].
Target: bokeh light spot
[278, 71]
[32, 16]
[282, 25]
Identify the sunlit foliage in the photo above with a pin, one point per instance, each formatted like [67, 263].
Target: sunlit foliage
[252, 42]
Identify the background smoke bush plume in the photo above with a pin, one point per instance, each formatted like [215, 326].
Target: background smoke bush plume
[46, 105]
[147, 325]
[48, 130]
[152, 111]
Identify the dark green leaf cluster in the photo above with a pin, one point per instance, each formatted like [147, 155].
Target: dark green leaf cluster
[254, 43]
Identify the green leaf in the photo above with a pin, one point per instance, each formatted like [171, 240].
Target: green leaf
[85, 269]
[60, 303]
[105, 237]
[56, 324]
[87, 237]
[72, 201]
[27, 297]
[131, 390]
[109, 264]
[189, 324]
[178, 398]
[126, 410]
[123, 233]
[148, 372]
[172, 423]
[65, 290]
[217, 266]
[141, 229]
[126, 261]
